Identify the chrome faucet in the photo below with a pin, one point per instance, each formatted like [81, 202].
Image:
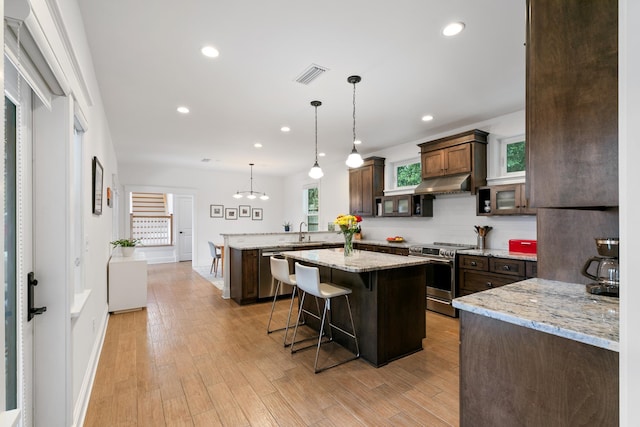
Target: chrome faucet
[300, 235]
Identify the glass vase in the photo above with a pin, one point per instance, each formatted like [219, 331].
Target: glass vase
[348, 244]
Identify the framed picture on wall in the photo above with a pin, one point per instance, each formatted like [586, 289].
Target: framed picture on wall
[216, 211]
[244, 211]
[231, 213]
[96, 169]
[256, 214]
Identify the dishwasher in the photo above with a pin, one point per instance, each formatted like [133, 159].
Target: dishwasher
[267, 286]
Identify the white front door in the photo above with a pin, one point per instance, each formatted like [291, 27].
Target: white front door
[184, 227]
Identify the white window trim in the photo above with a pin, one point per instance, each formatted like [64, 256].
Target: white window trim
[305, 203]
[505, 177]
[393, 187]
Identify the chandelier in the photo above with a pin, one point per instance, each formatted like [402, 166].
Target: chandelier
[250, 194]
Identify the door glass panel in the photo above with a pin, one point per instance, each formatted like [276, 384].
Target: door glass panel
[388, 206]
[403, 205]
[506, 199]
[10, 287]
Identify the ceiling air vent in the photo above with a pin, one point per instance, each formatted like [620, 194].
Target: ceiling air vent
[312, 72]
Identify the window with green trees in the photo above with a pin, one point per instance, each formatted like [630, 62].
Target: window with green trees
[515, 156]
[408, 174]
[311, 207]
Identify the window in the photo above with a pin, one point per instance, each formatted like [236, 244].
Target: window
[407, 173]
[512, 156]
[311, 207]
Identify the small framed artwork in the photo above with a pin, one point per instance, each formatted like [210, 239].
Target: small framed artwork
[244, 211]
[231, 213]
[96, 169]
[256, 214]
[216, 211]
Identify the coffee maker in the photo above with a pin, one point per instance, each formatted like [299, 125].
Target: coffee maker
[607, 271]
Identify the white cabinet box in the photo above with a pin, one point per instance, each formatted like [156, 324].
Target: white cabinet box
[127, 282]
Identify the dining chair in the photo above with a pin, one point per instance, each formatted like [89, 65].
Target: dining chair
[216, 254]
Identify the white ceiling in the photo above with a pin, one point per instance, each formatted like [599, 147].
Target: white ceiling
[148, 62]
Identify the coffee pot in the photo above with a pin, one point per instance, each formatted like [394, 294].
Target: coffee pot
[607, 270]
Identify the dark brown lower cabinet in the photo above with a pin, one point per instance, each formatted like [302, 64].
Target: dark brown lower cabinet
[381, 248]
[480, 273]
[244, 275]
[515, 376]
[388, 311]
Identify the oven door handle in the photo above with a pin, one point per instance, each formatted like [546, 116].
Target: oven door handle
[439, 261]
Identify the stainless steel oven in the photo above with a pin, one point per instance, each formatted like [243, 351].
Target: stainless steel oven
[441, 274]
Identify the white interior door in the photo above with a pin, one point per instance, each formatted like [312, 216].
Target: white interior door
[184, 227]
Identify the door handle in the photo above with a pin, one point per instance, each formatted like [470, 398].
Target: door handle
[31, 284]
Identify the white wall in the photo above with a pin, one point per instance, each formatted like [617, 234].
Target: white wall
[454, 215]
[86, 330]
[213, 187]
[629, 154]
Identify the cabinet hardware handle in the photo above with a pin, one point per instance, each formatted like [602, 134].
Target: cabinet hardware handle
[473, 263]
[506, 267]
[489, 284]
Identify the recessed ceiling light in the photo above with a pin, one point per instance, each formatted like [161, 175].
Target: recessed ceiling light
[357, 142]
[210, 52]
[453, 29]
[183, 110]
[427, 118]
[285, 129]
[257, 145]
[321, 154]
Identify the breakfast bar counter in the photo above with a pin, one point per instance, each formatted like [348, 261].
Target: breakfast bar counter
[388, 299]
[538, 352]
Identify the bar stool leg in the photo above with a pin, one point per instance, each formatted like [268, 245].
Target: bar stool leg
[324, 315]
[273, 306]
[286, 330]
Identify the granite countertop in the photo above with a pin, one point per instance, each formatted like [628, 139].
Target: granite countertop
[359, 262]
[284, 245]
[281, 245]
[501, 253]
[557, 308]
[403, 244]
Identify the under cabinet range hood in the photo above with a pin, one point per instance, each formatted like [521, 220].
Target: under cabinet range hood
[444, 184]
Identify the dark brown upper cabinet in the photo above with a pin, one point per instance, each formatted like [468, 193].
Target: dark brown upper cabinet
[365, 184]
[463, 153]
[572, 103]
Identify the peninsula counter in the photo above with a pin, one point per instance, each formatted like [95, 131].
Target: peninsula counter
[538, 352]
[388, 299]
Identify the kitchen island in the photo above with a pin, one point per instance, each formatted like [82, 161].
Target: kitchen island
[538, 352]
[388, 299]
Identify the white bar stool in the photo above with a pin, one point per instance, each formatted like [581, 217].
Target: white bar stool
[308, 280]
[280, 273]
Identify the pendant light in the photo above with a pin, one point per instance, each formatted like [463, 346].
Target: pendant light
[252, 194]
[316, 172]
[355, 159]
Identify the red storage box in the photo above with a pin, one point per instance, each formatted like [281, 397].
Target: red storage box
[523, 246]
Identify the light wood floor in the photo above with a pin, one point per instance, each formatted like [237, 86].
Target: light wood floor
[192, 358]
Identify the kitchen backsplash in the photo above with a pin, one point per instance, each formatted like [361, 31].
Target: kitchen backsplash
[453, 220]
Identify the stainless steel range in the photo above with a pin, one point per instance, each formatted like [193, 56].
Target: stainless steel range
[441, 274]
